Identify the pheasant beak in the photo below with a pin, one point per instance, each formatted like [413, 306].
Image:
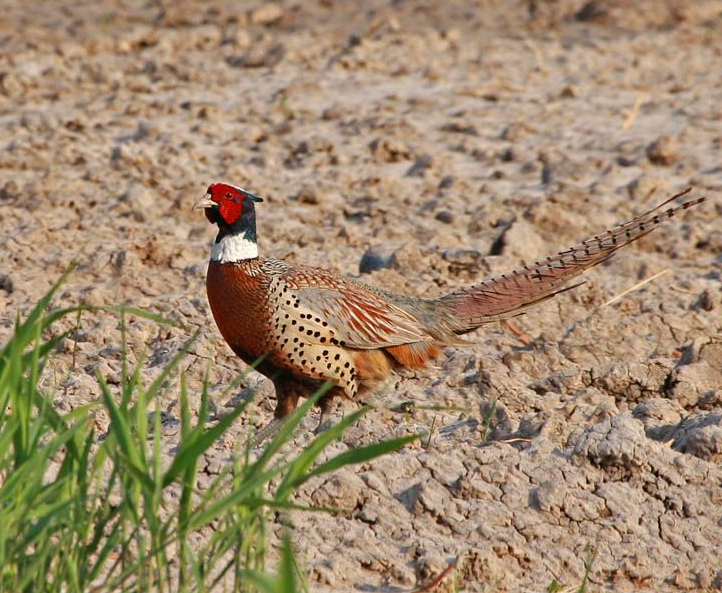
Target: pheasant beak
[205, 202]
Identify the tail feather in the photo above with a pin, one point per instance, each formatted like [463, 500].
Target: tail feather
[507, 295]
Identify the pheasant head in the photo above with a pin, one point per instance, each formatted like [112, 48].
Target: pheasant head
[233, 210]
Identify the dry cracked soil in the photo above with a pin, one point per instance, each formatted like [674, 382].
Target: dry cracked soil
[446, 142]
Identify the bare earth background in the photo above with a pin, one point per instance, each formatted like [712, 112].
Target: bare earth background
[463, 138]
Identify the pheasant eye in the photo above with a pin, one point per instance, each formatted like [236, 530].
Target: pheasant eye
[229, 195]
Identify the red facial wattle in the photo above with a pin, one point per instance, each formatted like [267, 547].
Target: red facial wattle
[231, 209]
[229, 200]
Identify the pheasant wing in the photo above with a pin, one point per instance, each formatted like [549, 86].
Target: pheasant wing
[358, 317]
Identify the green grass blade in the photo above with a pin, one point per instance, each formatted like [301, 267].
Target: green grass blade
[286, 568]
[290, 424]
[360, 455]
[197, 443]
[123, 309]
[121, 429]
[308, 456]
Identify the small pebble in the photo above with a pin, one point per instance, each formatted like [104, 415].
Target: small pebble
[663, 151]
[267, 14]
[6, 283]
[445, 216]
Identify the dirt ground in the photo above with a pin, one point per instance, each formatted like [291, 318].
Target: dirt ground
[461, 138]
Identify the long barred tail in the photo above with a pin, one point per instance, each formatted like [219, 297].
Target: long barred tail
[505, 296]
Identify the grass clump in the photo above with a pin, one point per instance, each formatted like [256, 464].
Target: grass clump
[84, 513]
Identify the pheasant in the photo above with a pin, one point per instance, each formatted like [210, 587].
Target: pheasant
[307, 325]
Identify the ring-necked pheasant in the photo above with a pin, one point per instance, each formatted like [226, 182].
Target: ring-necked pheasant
[310, 325]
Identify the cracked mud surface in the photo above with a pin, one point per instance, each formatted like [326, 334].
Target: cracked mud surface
[458, 140]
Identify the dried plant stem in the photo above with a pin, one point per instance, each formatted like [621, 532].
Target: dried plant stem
[633, 288]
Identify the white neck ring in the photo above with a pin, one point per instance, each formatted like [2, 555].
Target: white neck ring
[233, 248]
